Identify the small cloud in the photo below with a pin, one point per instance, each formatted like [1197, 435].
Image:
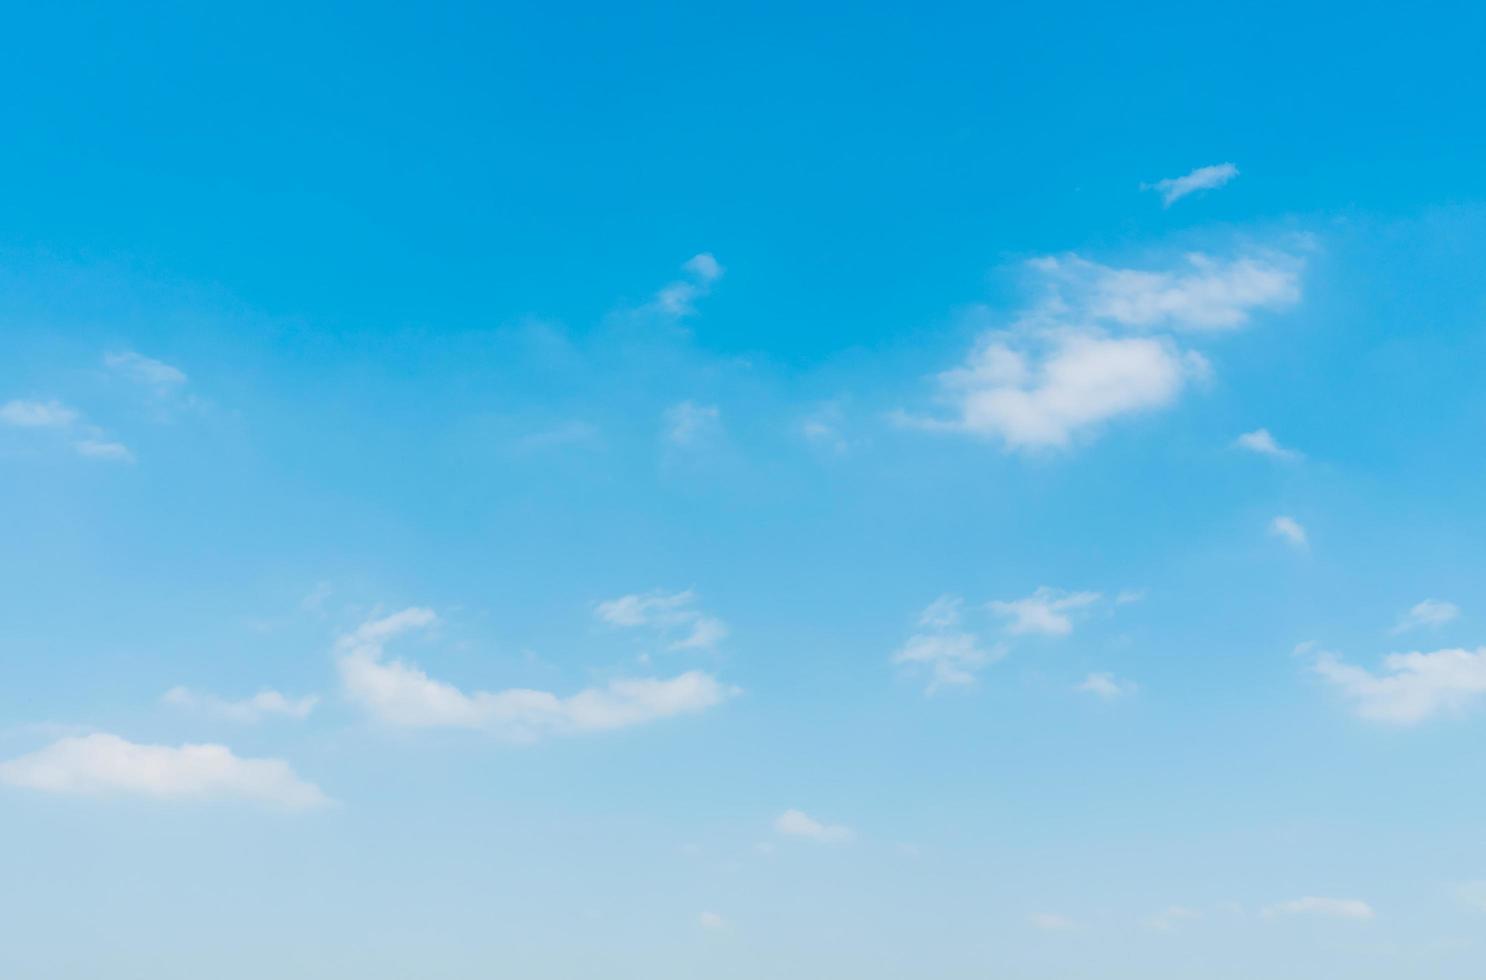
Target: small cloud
[1430, 614]
[1289, 530]
[146, 371]
[952, 657]
[690, 425]
[678, 298]
[23, 414]
[1260, 441]
[674, 613]
[261, 705]
[1335, 908]
[1127, 596]
[795, 823]
[403, 695]
[711, 921]
[1107, 686]
[1050, 922]
[1414, 686]
[102, 764]
[1173, 189]
[1046, 611]
[104, 449]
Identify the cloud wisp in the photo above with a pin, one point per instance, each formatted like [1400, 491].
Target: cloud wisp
[676, 615]
[797, 823]
[400, 694]
[264, 704]
[1260, 441]
[1331, 908]
[951, 656]
[1427, 614]
[1173, 189]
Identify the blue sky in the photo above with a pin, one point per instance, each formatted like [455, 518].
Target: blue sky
[681, 492]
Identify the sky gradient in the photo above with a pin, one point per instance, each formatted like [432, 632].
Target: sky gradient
[684, 492]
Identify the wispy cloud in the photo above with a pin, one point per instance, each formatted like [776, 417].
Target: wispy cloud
[1046, 611]
[1050, 922]
[797, 823]
[952, 656]
[678, 298]
[147, 371]
[1289, 530]
[264, 704]
[1260, 441]
[1173, 189]
[102, 764]
[674, 614]
[1413, 687]
[401, 694]
[690, 425]
[24, 414]
[1335, 908]
[1107, 686]
[1427, 614]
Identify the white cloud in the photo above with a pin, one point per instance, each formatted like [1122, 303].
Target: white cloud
[1414, 686]
[1203, 294]
[1042, 391]
[796, 823]
[1336, 908]
[1168, 919]
[689, 425]
[102, 764]
[104, 449]
[674, 613]
[1095, 346]
[679, 298]
[1290, 531]
[711, 920]
[145, 370]
[1430, 613]
[1260, 441]
[24, 414]
[1050, 922]
[88, 439]
[253, 709]
[951, 657]
[1173, 189]
[1107, 686]
[1046, 611]
[401, 694]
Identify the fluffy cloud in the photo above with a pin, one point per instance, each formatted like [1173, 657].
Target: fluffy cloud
[951, 656]
[1046, 611]
[1336, 908]
[1289, 530]
[102, 764]
[401, 694]
[796, 823]
[1173, 189]
[1413, 686]
[675, 614]
[679, 298]
[259, 706]
[1260, 441]
[1040, 391]
[1429, 613]
[1107, 686]
[1101, 344]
